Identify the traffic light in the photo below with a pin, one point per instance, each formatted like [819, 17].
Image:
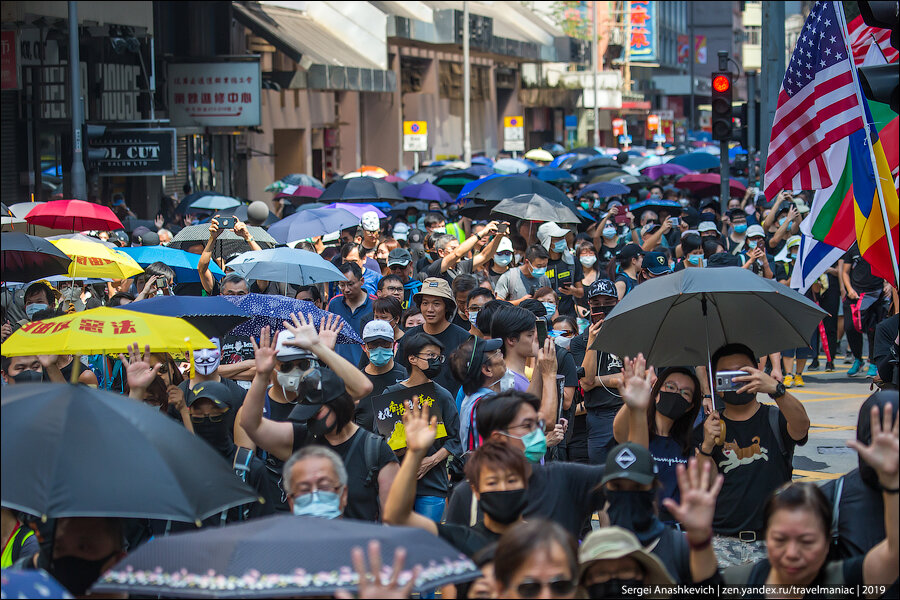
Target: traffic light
[880, 82]
[92, 133]
[721, 106]
[740, 128]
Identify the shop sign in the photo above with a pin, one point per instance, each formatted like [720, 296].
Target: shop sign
[214, 94]
[141, 152]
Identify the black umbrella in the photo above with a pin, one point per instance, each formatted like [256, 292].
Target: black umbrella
[228, 242]
[28, 257]
[278, 556]
[534, 207]
[74, 451]
[213, 315]
[590, 150]
[185, 204]
[241, 213]
[4, 210]
[401, 207]
[360, 188]
[594, 163]
[500, 188]
[477, 211]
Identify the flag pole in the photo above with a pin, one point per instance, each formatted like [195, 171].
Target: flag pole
[859, 96]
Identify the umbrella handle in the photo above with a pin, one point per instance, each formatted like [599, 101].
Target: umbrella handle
[709, 370]
[191, 371]
[76, 369]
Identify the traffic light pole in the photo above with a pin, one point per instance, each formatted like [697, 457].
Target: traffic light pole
[724, 193]
[79, 183]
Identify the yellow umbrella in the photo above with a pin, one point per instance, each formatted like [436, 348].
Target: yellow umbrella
[539, 155]
[104, 331]
[90, 259]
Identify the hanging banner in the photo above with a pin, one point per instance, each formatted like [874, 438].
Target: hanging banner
[214, 94]
[9, 60]
[700, 49]
[643, 31]
[684, 49]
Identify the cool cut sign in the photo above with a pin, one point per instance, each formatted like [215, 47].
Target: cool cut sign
[136, 152]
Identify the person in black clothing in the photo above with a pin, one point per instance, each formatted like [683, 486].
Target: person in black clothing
[886, 353]
[863, 307]
[496, 472]
[563, 271]
[461, 287]
[382, 369]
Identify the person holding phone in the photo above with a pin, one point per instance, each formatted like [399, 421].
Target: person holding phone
[208, 285]
[563, 271]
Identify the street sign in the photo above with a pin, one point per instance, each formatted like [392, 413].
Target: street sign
[659, 137]
[624, 139]
[514, 134]
[415, 136]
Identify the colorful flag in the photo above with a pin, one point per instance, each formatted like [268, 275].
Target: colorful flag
[813, 259]
[817, 106]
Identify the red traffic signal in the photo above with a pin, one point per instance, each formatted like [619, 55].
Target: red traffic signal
[721, 83]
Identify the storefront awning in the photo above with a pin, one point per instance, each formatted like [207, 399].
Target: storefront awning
[304, 41]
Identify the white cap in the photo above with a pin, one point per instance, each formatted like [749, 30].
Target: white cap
[369, 221]
[550, 230]
[505, 245]
[755, 231]
[401, 231]
[794, 240]
[706, 226]
[378, 330]
[287, 353]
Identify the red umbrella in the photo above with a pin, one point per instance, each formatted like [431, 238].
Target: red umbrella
[74, 215]
[709, 182]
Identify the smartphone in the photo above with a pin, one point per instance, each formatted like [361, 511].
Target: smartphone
[725, 381]
[225, 222]
[503, 229]
[675, 222]
[622, 219]
[162, 284]
[541, 325]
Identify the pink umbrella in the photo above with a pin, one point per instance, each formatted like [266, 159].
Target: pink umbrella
[393, 179]
[298, 192]
[358, 209]
[709, 183]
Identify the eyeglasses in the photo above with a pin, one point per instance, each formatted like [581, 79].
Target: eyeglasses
[686, 393]
[323, 486]
[393, 289]
[211, 418]
[532, 588]
[528, 425]
[304, 364]
[429, 357]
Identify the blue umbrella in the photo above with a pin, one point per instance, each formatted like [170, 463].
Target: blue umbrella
[427, 192]
[312, 223]
[215, 203]
[273, 310]
[479, 170]
[605, 189]
[559, 159]
[212, 315]
[401, 207]
[696, 161]
[405, 174]
[302, 179]
[185, 205]
[482, 160]
[286, 265]
[31, 583]
[183, 263]
[553, 148]
[467, 189]
[552, 175]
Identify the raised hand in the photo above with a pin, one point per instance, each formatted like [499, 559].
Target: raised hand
[593, 332]
[176, 397]
[420, 431]
[264, 351]
[883, 454]
[305, 334]
[329, 327]
[240, 228]
[636, 383]
[546, 358]
[371, 581]
[699, 490]
[138, 371]
[214, 230]
[756, 381]
[712, 430]
[159, 221]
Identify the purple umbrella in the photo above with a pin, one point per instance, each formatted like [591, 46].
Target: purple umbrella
[664, 170]
[427, 192]
[358, 209]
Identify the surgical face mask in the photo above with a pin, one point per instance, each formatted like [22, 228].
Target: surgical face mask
[560, 246]
[325, 505]
[505, 506]
[33, 309]
[518, 258]
[585, 205]
[440, 229]
[672, 405]
[684, 202]
[534, 441]
[587, 261]
[781, 221]
[740, 228]
[289, 381]
[598, 203]
[752, 244]
[550, 307]
[380, 356]
[473, 316]
[206, 361]
[696, 260]
[563, 342]
[28, 376]
[733, 397]
[538, 272]
[793, 256]
[503, 259]
[609, 232]
[77, 574]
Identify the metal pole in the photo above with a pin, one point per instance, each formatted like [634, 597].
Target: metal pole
[724, 192]
[594, 66]
[416, 162]
[752, 142]
[690, 8]
[467, 122]
[772, 73]
[79, 185]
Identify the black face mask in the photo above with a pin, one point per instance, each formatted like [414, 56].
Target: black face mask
[672, 405]
[382, 262]
[738, 399]
[433, 255]
[319, 426]
[612, 588]
[504, 507]
[77, 574]
[216, 435]
[28, 376]
[434, 368]
[633, 510]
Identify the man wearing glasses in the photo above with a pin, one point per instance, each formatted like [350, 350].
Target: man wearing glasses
[354, 304]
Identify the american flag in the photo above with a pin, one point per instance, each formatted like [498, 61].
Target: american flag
[861, 37]
[817, 105]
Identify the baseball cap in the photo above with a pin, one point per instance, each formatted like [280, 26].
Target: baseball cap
[611, 543]
[755, 231]
[505, 245]
[287, 353]
[723, 259]
[614, 203]
[319, 388]
[478, 351]
[630, 461]
[602, 287]
[150, 238]
[656, 263]
[137, 233]
[369, 221]
[649, 228]
[707, 226]
[400, 231]
[794, 240]
[630, 251]
[120, 235]
[550, 230]
[434, 286]
[378, 330]
[712, 202]
[217, 393]
[399, 256]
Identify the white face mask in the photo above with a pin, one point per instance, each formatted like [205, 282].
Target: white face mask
[587, 261]
[207, 361]
[563, 342]
[609, 232]
[290, 381]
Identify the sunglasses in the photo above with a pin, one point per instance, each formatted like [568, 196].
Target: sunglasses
[532, 588]
[304, 364]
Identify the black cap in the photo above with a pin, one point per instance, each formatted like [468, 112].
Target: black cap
[415, 236]
[602, 287]
[217, 393]
[150, 238]
[656, 263]
[137, 233]
[120, 235]
[724, 259]
[630, 461]
[399, 256]
[710, 203]
[691, 216]
[315, 392]
[630, 251]
[480, 349]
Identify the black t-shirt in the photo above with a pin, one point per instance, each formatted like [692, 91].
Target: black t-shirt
[560, 273]
[861, 515]
[565, 493]
[452, 338]
[364, 415]
[468, 540]
[861, 277]
[605, 254]
[673, 550]
[753, 467]
[460, 322]
[362, 496]
[195, 288]
[607, 364]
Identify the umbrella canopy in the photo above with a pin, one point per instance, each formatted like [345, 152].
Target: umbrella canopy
[313, 223]
[500, 188]
[670, 206]
[664, 170]
[467, 189]
[74, 215]
[605, 189]
[401, 207]
[297, 193]
[534, 207]
[424, 174]
[593, 162]
[360, 189]
[90, 259]
[553, 148]
[271, 311]
[482, 160]
[586, 150]
[372, 171]
[212, 315]
[31, 583]
[286, 265]
[358, 209]
[709, 184]
[20, 210]
[137, 465]
[82, 238]
[696, 161]
[476, 210]
[294, 179]
[539, 154]
[599, 174]
[215, 203]
[511, 166]
[428, 192]
[552, 175]
[241, 213]
[227, 243]
[681, 319]
[27, 257]
[184, 206]
[104, 330]
[631, 181]
[479, 170]
[454, 181]
[280, 556]
[183, 263]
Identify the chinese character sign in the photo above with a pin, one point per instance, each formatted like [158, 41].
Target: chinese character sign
[643, 31]
[684, 49]
[389, 409]
[214, 93]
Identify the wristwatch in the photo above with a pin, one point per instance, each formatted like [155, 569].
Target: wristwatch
[780, 391]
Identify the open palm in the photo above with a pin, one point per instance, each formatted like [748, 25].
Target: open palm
[698, 496]
[305, 334]
[636, 383]
[265, 351]
[137, 367]
[883, 454]
[328, 330]
[420, 433]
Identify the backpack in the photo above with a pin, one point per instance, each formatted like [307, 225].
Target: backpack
[788, 455]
